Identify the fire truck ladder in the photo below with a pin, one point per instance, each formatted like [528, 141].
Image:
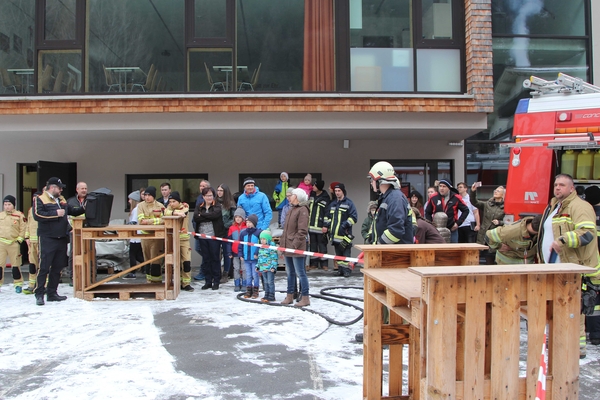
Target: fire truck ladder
[563, 84]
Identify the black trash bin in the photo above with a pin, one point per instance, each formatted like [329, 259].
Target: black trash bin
[98, 208]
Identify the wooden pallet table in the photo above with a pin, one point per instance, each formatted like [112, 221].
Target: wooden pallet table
[85, 283]
[398, 332]
[462, 325]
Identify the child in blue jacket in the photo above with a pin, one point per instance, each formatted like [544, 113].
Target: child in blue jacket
[249, 255]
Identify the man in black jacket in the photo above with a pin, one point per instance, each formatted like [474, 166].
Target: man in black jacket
[77, 201]
[50, 211]
[448, 201]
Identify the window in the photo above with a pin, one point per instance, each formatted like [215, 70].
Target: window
[186, 184]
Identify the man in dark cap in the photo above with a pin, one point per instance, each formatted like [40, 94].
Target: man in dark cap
[447, 201]
[318, 202]
[12, 233]
[50, 211]
[253, 201]
[338, 222]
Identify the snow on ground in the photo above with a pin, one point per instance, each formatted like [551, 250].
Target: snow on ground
[111, 349]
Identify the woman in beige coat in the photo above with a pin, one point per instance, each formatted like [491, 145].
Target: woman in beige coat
[295, 231]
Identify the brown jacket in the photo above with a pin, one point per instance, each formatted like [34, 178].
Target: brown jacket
[295, 229]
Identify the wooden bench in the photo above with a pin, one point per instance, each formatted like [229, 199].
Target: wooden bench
[85, 284]
[462, 327]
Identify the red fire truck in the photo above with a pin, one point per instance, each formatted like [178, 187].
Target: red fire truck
[555, 131]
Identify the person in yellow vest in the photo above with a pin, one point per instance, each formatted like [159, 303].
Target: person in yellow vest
[179, 208]
[12, 233]
[150, 212]
[515, 243]
[31, 238]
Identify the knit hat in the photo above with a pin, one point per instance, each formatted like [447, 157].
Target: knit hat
[253, 218]
[175, 196]
[320, 184]
[287, 177]
[247, 181]
[300, 194]
[446, 182]
[592, 195]
[341, 186]
[332, 185]
[10, 199]
[239, 212]
[135, 196]
[266, 234]
[151, 190]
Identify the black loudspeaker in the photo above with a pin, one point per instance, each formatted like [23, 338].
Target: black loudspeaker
[98, 208]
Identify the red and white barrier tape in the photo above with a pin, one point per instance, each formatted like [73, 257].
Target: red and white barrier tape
[540, 391]
[266, 246]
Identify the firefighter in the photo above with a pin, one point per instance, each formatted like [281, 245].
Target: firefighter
[12, 233]
[515, 243]
[150, 212]
[592, 322]
[568, 234]
[179, 208]
[32, 244]
[318, 202]
[393, 222]
[338, 223]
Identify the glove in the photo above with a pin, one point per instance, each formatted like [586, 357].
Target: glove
[346, 241]
[588, 296]
[345, 225]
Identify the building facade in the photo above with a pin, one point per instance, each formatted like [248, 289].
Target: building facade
[123, 94]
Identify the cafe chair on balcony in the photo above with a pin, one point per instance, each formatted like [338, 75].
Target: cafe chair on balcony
[245, 86]
[7, 83]
[110, 82]
[58, 82]
[44, 86]
[214, 86]
[147, 86]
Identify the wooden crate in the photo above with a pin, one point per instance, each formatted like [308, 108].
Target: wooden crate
[462, 327]
[85, 283]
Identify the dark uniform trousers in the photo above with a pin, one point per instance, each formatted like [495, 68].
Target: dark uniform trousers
[53, 258]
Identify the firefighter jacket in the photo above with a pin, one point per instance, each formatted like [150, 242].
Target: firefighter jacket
[393, 222]
[184, 234]
[45, 213]
[574, 225]
[451, 208]
[339, 219]
[317, 204]
[153, 211]
[12, 226]
[490, 210]
[523, 246]
[31, 228]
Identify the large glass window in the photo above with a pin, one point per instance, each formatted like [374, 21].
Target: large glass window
[271, 38]
[17, 35]
[60, 71]
[436, 19]
[539, 17]
[210, 18]
[381, 56]
[60, 20]
[136, 46]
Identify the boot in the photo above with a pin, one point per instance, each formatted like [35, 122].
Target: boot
[238, 287]
[39, 300]
[289, 299]
[215, 286]
[55, 297]
[248, 293]
[224, 279]
[207, 285]
[305, 301]
[255, 292]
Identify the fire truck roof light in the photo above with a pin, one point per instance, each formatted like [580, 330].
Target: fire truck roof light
[522, 107]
